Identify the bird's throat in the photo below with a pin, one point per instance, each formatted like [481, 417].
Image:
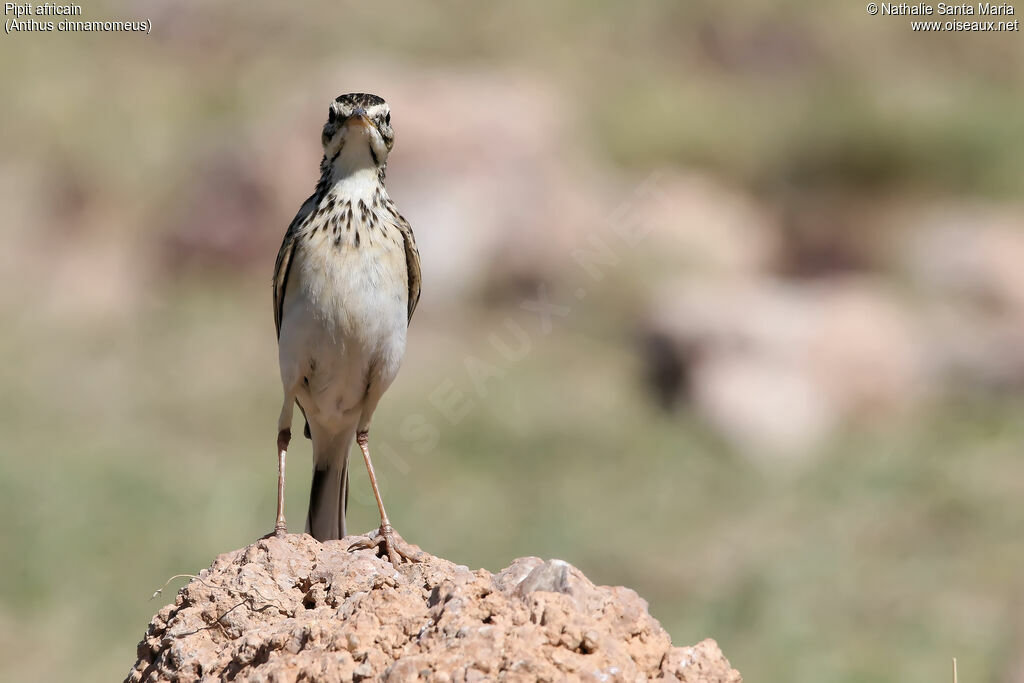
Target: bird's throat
[361, 183]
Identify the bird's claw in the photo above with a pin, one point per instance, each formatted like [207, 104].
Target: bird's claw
[388, 544]
[278, 532]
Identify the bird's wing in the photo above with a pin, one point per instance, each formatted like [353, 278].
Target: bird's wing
[412, 263]
[283, 266]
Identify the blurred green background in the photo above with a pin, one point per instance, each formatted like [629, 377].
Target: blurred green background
[788, 414]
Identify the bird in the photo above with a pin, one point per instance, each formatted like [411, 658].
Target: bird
[346, 284]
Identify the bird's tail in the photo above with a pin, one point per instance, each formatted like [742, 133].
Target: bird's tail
[328, 496]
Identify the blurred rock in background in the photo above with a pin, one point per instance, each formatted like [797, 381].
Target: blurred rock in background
[966, 263]
[698, 223]
[778, 365]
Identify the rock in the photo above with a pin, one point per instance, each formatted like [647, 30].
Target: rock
[764, 407]
[697, 222]
[295, 609]
[867, 349]
[778, 365]
[971, 253]
[965, 260]
[975, 352]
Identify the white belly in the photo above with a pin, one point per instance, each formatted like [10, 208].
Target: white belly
[344, 323]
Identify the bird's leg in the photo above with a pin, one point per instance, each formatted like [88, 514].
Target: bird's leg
[283, 437]
[363, 439]
[385, 538]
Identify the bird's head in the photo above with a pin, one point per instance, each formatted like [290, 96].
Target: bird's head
[358, 131]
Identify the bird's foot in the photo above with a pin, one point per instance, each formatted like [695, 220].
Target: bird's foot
[388, 544]
[280, 531]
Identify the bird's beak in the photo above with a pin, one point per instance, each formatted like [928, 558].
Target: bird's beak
[358, 119]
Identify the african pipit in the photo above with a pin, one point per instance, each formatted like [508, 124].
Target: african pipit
[346, 283]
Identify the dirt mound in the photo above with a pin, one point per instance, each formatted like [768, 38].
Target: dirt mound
[294, 609]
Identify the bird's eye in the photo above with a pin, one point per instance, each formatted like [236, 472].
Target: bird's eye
[387, 118]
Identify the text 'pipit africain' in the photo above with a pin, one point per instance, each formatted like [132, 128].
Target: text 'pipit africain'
[346, 283]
